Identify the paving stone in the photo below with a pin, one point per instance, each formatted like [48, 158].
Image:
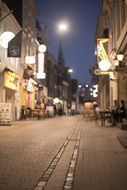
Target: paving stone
[69, 174]
[100, 160]
[38, 188]
[67, 187]
[69, 178]
[123, 140]
[68, 183]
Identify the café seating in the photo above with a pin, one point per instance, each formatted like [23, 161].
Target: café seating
[89, 115]
[103, 117]
[40, 113]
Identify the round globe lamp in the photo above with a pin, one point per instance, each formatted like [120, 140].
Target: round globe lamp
[70, 70]
[104, 65]
[42, 48]
[63, 26]
[5, 37]
[56, 100]
[79, 86]
[88, 105]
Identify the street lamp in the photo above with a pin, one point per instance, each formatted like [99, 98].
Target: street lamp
[70, 70]
[5, 37]
[120, 57]
[79, 86]
[56, 100]
[63, 26]
[42, 48]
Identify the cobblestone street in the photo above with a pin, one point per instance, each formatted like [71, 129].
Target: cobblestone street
[62, 153]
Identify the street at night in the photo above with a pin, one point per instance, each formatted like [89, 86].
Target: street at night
[63, 95]
[62, 153]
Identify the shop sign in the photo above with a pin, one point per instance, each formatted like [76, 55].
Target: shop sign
[100, 72]
[40, 73]
[11, 80]
[102, 44]
[30, 60]
[5, 113]
[14, 46]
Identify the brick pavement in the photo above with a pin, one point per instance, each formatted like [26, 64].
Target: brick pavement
[101, 162]
[27, 148]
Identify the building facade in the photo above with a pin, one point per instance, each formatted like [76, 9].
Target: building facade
[102, 42]
[19, 81]
[10, 68]
[113, 24]
[118, 46]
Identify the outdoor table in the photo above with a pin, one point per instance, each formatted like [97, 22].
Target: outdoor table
[35, 112]
[104, 114]
[40, 113]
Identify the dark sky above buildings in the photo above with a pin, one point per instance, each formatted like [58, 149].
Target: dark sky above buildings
[79, 42]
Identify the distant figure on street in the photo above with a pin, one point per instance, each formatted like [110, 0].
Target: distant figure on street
[115, 112]
[54, 109]
[23, 112]
[121, 111]
[60, 109]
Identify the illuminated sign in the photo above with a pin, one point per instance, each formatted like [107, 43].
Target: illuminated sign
[95, 90]
[40, 74]
[104, 65]
[41, 60]
[100, 72]
[30, 60]
[11, 80]
[101, 48]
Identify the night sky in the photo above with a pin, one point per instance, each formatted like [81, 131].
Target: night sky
[79, 42]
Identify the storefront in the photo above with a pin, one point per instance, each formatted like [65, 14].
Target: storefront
[11, 82]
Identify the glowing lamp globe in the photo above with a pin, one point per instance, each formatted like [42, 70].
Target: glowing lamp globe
[5, 38]
[70, 70]
[56, 100]
[62, 26]
[88, 105]
[79, 86]
[104, 65]
[42, 48]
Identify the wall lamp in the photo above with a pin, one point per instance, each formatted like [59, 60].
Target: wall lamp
[120, 57]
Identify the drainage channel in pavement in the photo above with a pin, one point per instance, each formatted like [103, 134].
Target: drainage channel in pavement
[70, 173]
[45, 177]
